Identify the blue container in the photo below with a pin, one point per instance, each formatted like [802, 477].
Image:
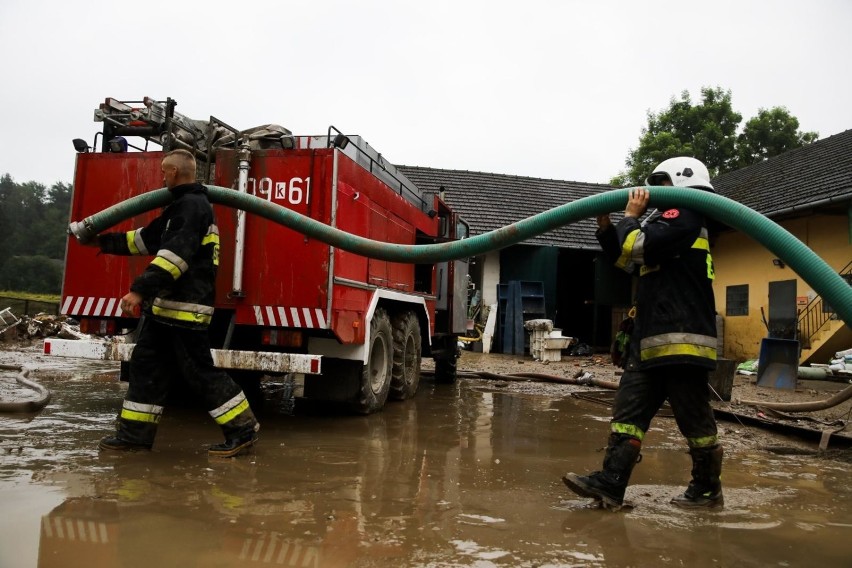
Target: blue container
[778, 364]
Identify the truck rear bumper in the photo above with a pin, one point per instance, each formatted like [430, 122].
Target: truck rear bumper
[222, 358]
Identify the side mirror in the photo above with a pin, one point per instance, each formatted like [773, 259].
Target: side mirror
[443, 226]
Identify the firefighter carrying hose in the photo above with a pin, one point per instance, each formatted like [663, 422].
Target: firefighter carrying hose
[176, 292]
[673, 344]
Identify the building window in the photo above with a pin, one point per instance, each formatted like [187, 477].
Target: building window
[736, 303]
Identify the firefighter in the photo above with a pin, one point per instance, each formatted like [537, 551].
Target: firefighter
[176, 294]
[673, 343]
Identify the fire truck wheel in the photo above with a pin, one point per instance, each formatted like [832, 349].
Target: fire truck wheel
[445, 371]
[405, 376]
[376, 374]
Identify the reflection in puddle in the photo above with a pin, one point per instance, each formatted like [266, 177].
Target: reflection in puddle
[458, 476]
[470, 548]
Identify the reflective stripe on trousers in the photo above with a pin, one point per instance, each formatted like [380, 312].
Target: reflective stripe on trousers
[139, 412]
[230, 409]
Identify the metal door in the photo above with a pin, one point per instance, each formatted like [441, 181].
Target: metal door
[783, 313]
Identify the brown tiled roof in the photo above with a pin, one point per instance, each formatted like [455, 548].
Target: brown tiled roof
[812, 176]
[491, 201]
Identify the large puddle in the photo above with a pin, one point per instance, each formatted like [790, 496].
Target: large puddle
[462, 475]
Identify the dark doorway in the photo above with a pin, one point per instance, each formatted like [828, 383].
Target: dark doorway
[576, 311]
[783, 313]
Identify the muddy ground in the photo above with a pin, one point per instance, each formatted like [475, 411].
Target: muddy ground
[747, 425]
[760, 427]
[460, 475]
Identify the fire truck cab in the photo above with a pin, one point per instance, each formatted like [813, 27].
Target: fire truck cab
[350, 329]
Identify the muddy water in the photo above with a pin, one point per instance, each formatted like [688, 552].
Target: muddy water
[463, 475]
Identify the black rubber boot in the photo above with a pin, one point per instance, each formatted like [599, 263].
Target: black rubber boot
[705, 489]
[116, 444]
[130, 436]
[240, 436]
[608, 486]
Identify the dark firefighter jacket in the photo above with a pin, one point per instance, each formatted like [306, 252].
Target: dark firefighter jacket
[675, 319]
[178, 286]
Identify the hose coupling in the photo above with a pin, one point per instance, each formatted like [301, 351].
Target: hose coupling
[83, 230]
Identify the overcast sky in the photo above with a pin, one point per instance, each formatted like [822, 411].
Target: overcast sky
[534, 88]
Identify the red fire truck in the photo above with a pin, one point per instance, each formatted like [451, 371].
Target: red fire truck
[348, 328]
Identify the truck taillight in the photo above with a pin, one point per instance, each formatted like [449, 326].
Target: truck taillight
[281, 337]
[93, 326]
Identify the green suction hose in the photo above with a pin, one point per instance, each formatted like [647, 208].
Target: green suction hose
[780, 242]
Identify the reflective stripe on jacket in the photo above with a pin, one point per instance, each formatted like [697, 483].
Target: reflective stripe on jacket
[179, 283]
[675, 308]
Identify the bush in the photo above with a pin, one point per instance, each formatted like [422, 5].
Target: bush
[37, 274]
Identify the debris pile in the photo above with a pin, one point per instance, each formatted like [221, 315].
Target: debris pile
[838, 368]
[42, 325]
[842, 363]
[594, 361]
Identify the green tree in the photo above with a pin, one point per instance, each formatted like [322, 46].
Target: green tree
[20, 207]
[768, 134]
[8, 223]
[708, 131]
[33, 221]
[32, 274]
[55, 221]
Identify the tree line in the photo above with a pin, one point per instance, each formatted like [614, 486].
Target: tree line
[33, 223]
[707, 130]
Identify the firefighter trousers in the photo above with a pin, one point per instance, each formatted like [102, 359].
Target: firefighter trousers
[641, 394]
[164, 353]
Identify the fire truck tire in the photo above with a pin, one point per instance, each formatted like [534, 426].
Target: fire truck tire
[445, 371]
[375, 377]
[405, 376]
[445, 352]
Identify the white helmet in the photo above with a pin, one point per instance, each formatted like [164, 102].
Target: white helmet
[682, 172]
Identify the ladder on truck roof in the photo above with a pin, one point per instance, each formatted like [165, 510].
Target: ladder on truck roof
[158, 122]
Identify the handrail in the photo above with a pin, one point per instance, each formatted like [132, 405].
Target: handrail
[814, 317]
[332, 142]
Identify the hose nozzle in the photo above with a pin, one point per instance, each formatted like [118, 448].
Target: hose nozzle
[82, 231]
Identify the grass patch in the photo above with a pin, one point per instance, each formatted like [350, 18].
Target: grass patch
[29, 304]
[50, 298]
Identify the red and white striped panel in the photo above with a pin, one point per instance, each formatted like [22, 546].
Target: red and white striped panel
[90, 306]
[280, 316]
[81, 530]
